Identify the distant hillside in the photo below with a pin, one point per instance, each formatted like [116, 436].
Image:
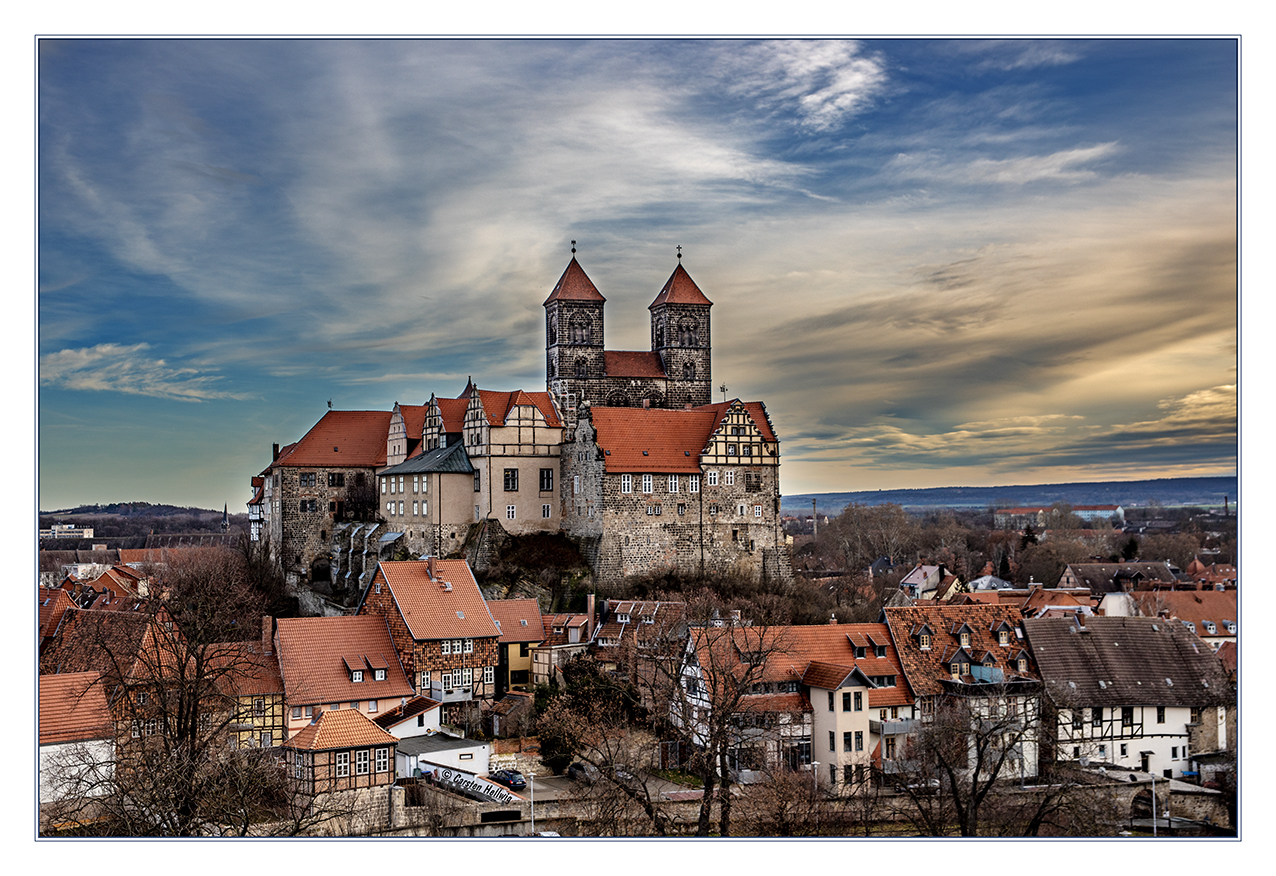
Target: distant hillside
[1202, 492]
[129, 509]
[121, 524]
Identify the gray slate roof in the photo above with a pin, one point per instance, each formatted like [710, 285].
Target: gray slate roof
[1125, 661]
[448, 460]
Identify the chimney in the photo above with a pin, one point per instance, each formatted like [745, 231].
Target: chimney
[267, 638]
[589, 615]
[274, 452]
[429, 565]
[832, 619]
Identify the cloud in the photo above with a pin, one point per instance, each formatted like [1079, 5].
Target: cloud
[824, 82]
[118, 368]
[1023, 54]
[1068, 166]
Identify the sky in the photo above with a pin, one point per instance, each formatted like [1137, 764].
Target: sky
[938, 262]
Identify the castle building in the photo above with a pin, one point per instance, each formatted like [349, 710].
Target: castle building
[625, 452]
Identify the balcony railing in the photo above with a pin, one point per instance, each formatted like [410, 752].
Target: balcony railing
[899, 727]
[450, 693]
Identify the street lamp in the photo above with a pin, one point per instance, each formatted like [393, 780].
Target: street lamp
[531, 779]
[815, 791]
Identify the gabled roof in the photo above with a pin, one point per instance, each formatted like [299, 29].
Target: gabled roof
[452, 413]
[448, 460]
[637, 363]
[418, 705]
[342, 728]
[52, 604]
[73, 708]
[659, 440]
[679, 289]
[519, 620]
[928, 669]
[353, 439]
[498, 405]
[756, 411]
[311, 652]
[1125, 661]
[1194, 606]
[250, 672]
[574, 285]
[550, 622]
[447, 606]
[413, 419]
[91, 640]
[1111, 577]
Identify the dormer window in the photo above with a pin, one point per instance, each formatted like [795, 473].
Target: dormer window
[965, 639]
[622, 618]
[880, 650]
[859, 653]
[1231, 626]
[356, 675]
[1022, 664]
[923, 642]
[956, 671]
[1003, 637]
[1210, 628]
[379, 675]
[1191, 626]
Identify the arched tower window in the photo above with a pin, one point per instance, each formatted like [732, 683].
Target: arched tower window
[660, 334]
[553, 328]
[551, 369]
[689, 371]
[582, 369]
[580, 330]
[618, 400]
[687, 333]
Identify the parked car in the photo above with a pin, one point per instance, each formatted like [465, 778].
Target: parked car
[512, 779]
[582, 772]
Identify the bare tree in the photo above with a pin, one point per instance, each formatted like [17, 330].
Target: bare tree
[864, 533]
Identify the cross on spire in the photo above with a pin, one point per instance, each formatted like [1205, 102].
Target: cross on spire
[679, 252]
[573, 247]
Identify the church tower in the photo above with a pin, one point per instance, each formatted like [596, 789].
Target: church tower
[574, 367]
[680, 336]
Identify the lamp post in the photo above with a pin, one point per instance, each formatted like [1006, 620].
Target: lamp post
[531, 779]
[1153, 775]
[815, 792]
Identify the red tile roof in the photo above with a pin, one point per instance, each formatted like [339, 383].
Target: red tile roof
[756, 411]
[342, 438]
[418, 705]
[429, 608]
[452, 413]
[519, 619]
[927, 669]
[574, 285]
[638, 363]
[249, 671]
[1195, 606]
[679, 289]
[497, 405]
[310, 653]
[343, 728]
[73, 708]
[52, 604]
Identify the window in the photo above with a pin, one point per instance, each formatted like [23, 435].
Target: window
[1174, 752]
[456, 646]
[545, 512]
[673, 483]
[416, 483]
[136, 730]
[830, 701]
[511, 480]
[259, 706]
[626, 483]
[1096, 716]
[890, 748]
[401, 490]
[713, 478]
[307, 479]
[1003, 637]
[308, 505]
[309, 711]
[965, 640]
[415, 507]
[469, 646]
[742, 510]
[355, 705]
[142, 697]
[456, 678]
[757, 510]
[1077, 719]
[547, 480]
[400, 508]
[446, 646]
[478, 485]
[383, 486]
[509, 512]
[923, 642]
[356, 675]
[489, 674]
[1127, 716]
[1123, 749]
[1195, 716]
[833, 741]
[425, 681]
[343, 764]
[730, 478]
[1103, 751]
[299, 765]
[846, 701]
[693, 484]
[336, 479]
[383, 759]
[646, 483]
[847, 741]
[859, 740]
[361, 762]
[881, 714]
[1160, 714]
[682, 508]
[266, 740]
[296, 713]
[859, 701]
[372, 705]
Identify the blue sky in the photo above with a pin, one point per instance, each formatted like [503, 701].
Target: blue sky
[938, 262]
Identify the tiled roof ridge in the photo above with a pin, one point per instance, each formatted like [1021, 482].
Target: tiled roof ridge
[679, 289]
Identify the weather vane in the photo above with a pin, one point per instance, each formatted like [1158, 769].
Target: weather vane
[679, 252]
[723, 389]
[573, 247]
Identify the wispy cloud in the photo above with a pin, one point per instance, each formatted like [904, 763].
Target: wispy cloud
[1023, 54]
[1068, 166]
[825, 82]
[119, 368]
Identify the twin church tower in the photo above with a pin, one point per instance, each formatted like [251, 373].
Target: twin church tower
[676, 373]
